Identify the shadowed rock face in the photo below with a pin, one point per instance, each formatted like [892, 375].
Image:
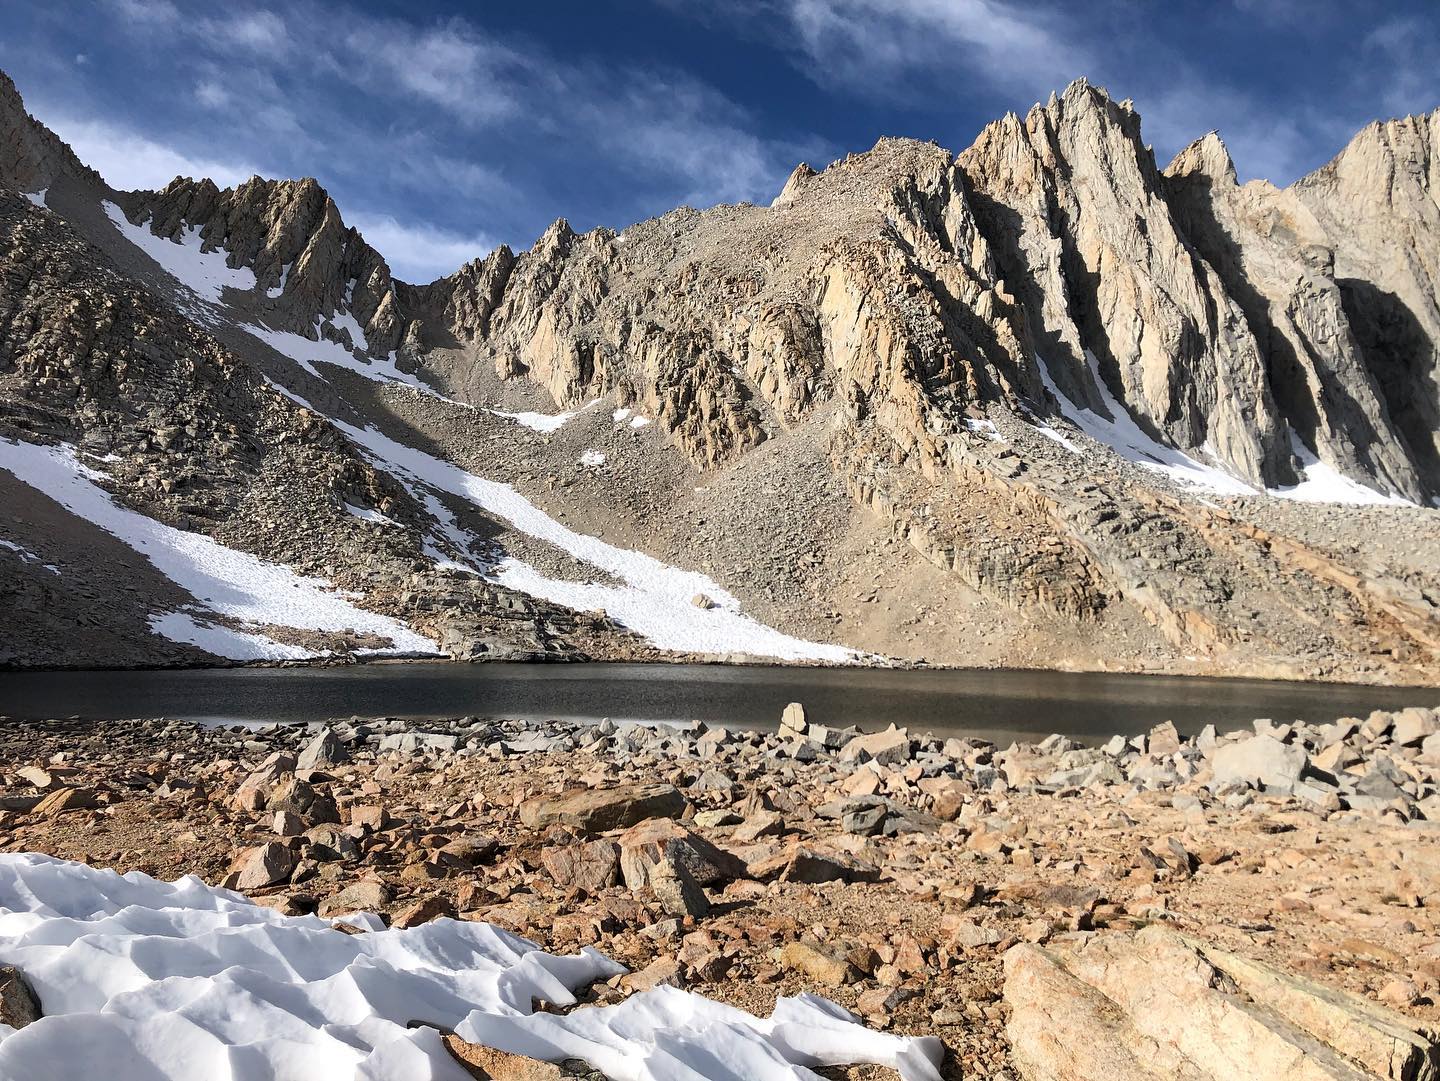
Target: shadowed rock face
[890, 307]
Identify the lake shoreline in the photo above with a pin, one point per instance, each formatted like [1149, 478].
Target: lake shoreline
[1278, 673]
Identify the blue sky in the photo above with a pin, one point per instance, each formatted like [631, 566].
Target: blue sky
[442, 129]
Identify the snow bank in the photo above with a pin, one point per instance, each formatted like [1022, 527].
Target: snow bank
[307, 352]
[143, 980]
[592, 459]
[226, 582]
[365, 514]
[655, 599]
[1126, 438]
[204, 273]
[543, 422]
[37, 197]
[1322, 483]
[275, 292]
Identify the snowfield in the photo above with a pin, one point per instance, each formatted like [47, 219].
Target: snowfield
[205, 274]
[1322, 483]
[144, 980]
[544, 422]
[226, 582]
[655, 600]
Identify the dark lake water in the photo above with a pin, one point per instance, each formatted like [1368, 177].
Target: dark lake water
[996, 705]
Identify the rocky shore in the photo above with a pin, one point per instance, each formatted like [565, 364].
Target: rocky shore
[1046, 910]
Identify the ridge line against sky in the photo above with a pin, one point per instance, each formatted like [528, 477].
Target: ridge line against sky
[442, 129]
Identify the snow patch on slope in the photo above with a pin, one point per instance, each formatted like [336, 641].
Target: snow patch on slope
[204, 273]
[544, 422]
[1127, 439]
[366, 514]
[1323, 483]
[307, 352]
[27, 556]
[655, 598]
[227, 582]
[275, 292]
[37, 197]
[144, 980]
[225, 641]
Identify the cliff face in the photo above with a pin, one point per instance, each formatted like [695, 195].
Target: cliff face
[938, 330]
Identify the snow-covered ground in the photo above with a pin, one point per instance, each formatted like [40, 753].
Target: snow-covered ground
[544, 422]
[226, 582]
[655, 599]
[144, 980]
[37, 197]
[204, 273]
[1322, 483]
[307, 352]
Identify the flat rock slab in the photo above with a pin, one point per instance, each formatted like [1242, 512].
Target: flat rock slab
[599, 810]
[1158, 1005]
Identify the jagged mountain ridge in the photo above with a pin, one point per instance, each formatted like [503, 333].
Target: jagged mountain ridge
[1105, 255]
[895, 307]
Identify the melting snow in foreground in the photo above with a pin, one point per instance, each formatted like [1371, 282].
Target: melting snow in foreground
[143, 980]
[205, 273]
[226, 581]
[1322, 483]
[655, 599]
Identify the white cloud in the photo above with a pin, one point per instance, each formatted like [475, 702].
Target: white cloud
[147, 11]
[1406, 50]
[212, 94]
[451, 65]
[259, 30]
[673, 129]
[875, 45]
[129, 160]
[419, 252]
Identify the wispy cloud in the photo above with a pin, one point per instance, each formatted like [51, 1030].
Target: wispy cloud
[128, 160]
[451, 65]
[883, 44]
[420, 252]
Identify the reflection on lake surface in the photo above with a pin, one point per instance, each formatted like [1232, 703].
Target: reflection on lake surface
[998, 705]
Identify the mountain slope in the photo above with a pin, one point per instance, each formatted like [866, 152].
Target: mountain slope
[1040, 402]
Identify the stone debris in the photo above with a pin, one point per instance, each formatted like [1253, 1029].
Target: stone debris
[725, 861]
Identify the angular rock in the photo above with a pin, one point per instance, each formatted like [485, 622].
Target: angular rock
[817, 964]
[18, 1004]
[890, 747]
[588, 867]
[1156, 1005]
[677, 891]
[367, 895]
[599, 810]
[322, 752]
[1259, 761]
[645, 846]
[264, 865]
